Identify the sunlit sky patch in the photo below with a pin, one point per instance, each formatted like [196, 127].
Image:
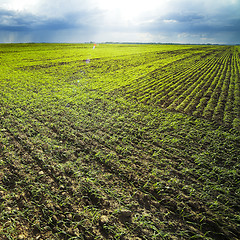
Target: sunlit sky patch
[175, 21]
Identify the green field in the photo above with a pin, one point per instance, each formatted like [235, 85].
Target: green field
[119, 142]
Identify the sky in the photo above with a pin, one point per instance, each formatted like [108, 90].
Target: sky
[160, 21]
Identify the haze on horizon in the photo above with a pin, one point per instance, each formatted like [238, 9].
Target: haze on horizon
[75, 21]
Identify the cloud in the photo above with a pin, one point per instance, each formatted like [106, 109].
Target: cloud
[216, 27]
[24, 26]
[23, 21]
[127, 20]
[14, 21]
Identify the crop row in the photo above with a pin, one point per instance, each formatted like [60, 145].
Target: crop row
[205, 84]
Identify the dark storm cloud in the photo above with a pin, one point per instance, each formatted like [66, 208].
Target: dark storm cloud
[19, 21]
[195, 23]
[22, 26]
[13, 21]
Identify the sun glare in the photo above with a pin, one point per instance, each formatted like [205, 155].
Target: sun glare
[127, 9]
[22, 5]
